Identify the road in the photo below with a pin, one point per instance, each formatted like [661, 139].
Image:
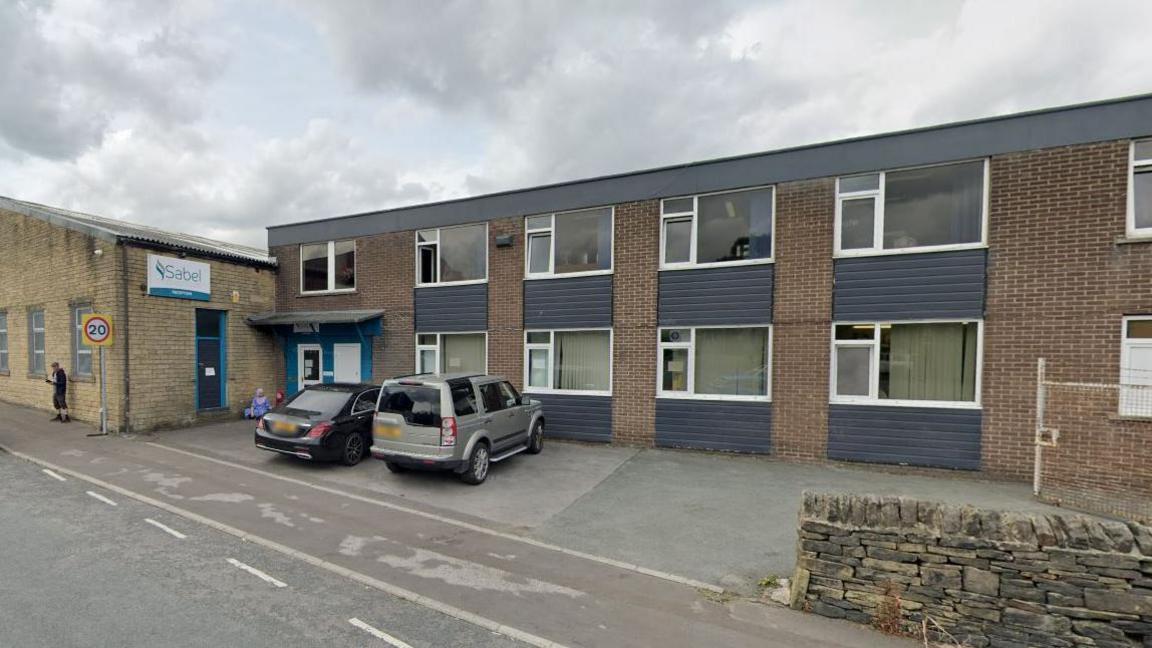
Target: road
[393, 564]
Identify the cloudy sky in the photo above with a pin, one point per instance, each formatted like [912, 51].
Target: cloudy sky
[220, 117]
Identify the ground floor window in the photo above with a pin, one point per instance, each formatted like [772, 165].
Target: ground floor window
[716, 362]
[578, 361]
[36, 341]
[81, 353]
[3, 342]
[906, 361]
[452, 353]
[1136, 367]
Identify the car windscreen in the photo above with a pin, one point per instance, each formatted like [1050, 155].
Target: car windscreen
[315, 403]
[418, 405]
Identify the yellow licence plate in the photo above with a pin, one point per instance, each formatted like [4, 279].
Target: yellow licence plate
[283, 427]
[387, 430]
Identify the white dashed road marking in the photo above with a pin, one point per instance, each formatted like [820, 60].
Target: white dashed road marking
[384, 636]
[102, 498]
[52, 474]
[257, 573]
[165, 528]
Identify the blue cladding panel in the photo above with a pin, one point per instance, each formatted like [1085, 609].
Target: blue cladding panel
[917, 436]
[452, 308]
[581, 418]
[911, 286]
[575, 302]
[733, 295]
[714, 425]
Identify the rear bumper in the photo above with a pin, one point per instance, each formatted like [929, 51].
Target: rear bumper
[294, 447]
[416, 460]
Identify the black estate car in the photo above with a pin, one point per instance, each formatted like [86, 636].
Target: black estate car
[330, 422]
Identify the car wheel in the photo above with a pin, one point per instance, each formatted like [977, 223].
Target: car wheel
[353, 450]
[395, 467]
[536, 438]
[478, 463]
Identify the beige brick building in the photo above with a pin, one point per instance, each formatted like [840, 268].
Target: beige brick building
[179, 355]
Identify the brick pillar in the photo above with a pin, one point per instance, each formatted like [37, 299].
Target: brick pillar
[802, 317]
[637, 250]
[506, 301]
[386, 279]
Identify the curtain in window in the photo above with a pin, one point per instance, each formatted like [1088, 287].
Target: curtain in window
[732, 361]
[582, 360]
[464, 353]
[928, 362]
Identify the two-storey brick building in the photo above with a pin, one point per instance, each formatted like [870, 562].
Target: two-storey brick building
[880, 299]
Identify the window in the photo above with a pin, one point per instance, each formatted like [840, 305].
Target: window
[463, 397]
[570, 243]
[721, 363]
[494, 400]
[1136, 367]
[452, 255]
[717, 229]
[1140, 193]
[36, 341]
[928, 207]
[916, 362]
[328, 267]
[579, 361]
[451, 353]
[418, 405]
[81, 353]
[4, 342]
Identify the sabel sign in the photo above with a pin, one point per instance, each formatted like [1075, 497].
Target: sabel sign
[179, 278]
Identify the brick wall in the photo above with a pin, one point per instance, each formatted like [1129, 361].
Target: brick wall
[506, 301]
[161, 338]
[54, 268]
[1058, 286]
[636, 263]
[802, 314]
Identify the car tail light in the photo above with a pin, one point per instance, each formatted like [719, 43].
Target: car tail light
[448, 431]
[319, 430]
[260, 423]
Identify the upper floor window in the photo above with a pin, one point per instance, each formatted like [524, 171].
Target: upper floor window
[452, 254]
[724, 362]
[906, 361]
[929, 207]
[1140, 196]
[36, 363]
[81, 353]
[716, 229]
[569, 243]
[328, 267]
[3, 342]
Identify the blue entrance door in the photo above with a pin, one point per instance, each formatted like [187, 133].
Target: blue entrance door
[210, 358]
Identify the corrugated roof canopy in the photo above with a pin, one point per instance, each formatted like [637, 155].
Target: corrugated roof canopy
[313, 317]
[113, 229]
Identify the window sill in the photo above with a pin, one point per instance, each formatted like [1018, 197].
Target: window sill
[448, 284]
[721, 264]
[1133, 237]
[5, 373]
[327, 293]
[916, 250]
[953, 405]
[568, 275]
[567, 392]
[82, 379]
[716, 397]
[1129, 418]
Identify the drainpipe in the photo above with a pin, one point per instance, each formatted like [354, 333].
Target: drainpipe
[126, 405]
[1037, 462]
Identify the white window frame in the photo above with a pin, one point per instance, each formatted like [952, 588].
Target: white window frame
[691, 368]
[438, 348]
[877, 248]
[78, 346]
[5, 365]
[43, 332]
[331, 289]
[551, 345]
[1126, 346]
[550, 229]
[873, 397]
[436, 244]
[1134, 164]
[692, 217]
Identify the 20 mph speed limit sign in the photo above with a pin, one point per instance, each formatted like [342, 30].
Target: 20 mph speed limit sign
[97, 329]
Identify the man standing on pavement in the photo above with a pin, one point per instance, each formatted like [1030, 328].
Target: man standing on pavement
[59, 381]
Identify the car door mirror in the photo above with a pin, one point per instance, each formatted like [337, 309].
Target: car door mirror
[524, 400]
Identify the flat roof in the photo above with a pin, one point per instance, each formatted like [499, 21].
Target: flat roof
[288, 318]
[1084, 123]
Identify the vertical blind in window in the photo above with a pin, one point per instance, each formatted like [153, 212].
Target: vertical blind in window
[464, 353]
[732, 361]
[928, 362]
[582, 360]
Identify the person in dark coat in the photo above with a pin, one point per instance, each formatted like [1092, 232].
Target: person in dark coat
[59, 381]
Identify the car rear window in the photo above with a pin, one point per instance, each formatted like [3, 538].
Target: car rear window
[317, 402]
[463, 398]
[418, 405]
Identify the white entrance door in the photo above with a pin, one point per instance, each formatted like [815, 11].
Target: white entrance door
[347, 361]
[310, 364]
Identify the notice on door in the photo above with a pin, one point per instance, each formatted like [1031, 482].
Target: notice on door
[209, 371]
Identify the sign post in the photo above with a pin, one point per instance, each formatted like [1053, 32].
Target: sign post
[97, 331]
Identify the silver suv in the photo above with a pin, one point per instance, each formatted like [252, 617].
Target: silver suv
[459, 422]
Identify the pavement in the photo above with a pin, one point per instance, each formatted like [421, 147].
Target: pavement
[442, 552]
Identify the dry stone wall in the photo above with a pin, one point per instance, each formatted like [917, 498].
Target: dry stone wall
[987, 578]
